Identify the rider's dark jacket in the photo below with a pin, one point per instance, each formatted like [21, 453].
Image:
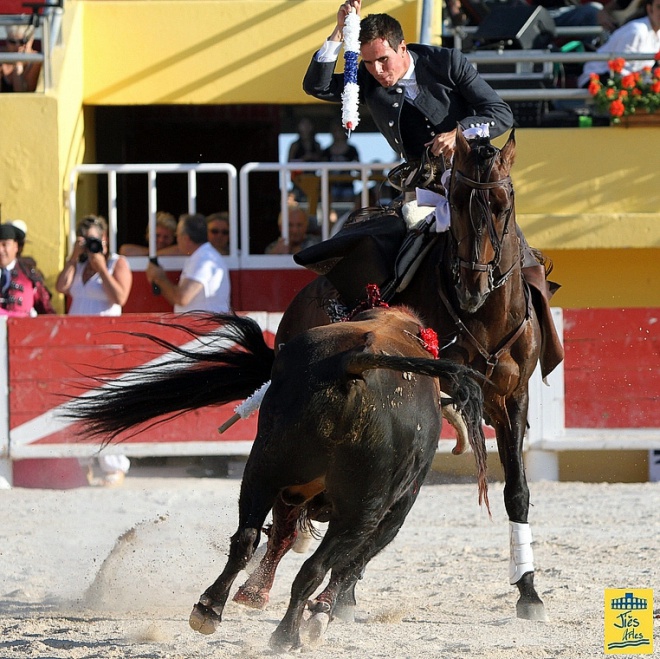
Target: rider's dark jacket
[451, 92]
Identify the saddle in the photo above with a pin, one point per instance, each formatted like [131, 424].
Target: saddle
[377, 246]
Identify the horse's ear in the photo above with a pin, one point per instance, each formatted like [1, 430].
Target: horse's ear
[508, 151]
[462, 145]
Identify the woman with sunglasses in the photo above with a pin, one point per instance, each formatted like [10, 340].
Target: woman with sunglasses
[19, 76]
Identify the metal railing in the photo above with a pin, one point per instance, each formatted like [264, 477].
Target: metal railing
[365, 174]
[152, 171]
[517, 57]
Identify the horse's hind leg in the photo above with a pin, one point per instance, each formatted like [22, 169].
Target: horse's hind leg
[207, 613]
[255, 591]
[516, 502]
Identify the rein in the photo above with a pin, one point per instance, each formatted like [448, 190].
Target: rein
[479, 197]
[492, 358]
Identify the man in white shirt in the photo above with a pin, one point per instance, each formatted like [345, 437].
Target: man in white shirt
[639, 36]
[204, 283]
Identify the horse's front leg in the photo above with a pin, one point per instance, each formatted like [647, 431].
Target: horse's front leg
[255, 592]
[516, 501]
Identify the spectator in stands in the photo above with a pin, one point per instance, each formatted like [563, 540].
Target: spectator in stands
[98, 283]
[298, 237]
[568, 14]
[305, 149]
[20, 76]
[42, 296]
[217, 228]
[18, 290]
[204, 283]
[340, 151]
[638, 36]
[165, 239]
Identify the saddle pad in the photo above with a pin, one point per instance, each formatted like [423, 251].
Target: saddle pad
[360, 253]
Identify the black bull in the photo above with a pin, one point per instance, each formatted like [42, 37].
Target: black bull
[350, 416]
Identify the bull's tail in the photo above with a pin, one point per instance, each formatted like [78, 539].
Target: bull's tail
[226, 365]
[459, 382]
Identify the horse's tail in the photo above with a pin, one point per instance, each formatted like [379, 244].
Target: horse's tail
[458, 381]
[211, 373]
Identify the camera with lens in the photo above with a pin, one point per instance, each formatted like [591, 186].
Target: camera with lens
[93, 245]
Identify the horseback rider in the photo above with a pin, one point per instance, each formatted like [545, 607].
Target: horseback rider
[418, 96]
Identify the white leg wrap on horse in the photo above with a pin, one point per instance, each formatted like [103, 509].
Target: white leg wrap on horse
[522, 556]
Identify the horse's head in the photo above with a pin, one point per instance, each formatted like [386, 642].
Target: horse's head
[482, 218]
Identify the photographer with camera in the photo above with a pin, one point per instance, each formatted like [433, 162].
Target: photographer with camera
[97, 281]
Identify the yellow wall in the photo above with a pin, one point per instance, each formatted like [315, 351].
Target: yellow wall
[210, 51]
[588, 197]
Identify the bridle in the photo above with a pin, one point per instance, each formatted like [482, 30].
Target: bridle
[481, 216]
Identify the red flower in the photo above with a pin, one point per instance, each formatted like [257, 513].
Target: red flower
[617, 108]
[628, 82]
[594, 87]
[616, 65]
[655, 87]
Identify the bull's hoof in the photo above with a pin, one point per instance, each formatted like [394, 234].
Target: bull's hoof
[254, 599]
[531, 610]
[315, 628]
[203, 619]
[282, 641]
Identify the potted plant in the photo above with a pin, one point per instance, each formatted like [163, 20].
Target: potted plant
[626, 95]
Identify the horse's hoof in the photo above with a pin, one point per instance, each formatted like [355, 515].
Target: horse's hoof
[203, 620]
[531, 611]
[254, 599]
[344, 612]
[315, 628]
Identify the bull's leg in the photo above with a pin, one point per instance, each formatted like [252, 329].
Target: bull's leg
[339, 595]
[339, 548]
[255, 591]
[253, 508]
[516, 502]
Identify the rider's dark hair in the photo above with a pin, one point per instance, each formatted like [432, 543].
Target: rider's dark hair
[381, 26]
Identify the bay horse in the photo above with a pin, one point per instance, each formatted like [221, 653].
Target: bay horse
[352, 417]
[473, 290]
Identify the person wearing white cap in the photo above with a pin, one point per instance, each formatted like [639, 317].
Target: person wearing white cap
[16, 288]
[42, 296]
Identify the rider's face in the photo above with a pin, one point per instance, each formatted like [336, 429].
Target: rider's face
[384, 63]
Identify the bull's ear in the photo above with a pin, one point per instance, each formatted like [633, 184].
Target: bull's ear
[508, 152]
